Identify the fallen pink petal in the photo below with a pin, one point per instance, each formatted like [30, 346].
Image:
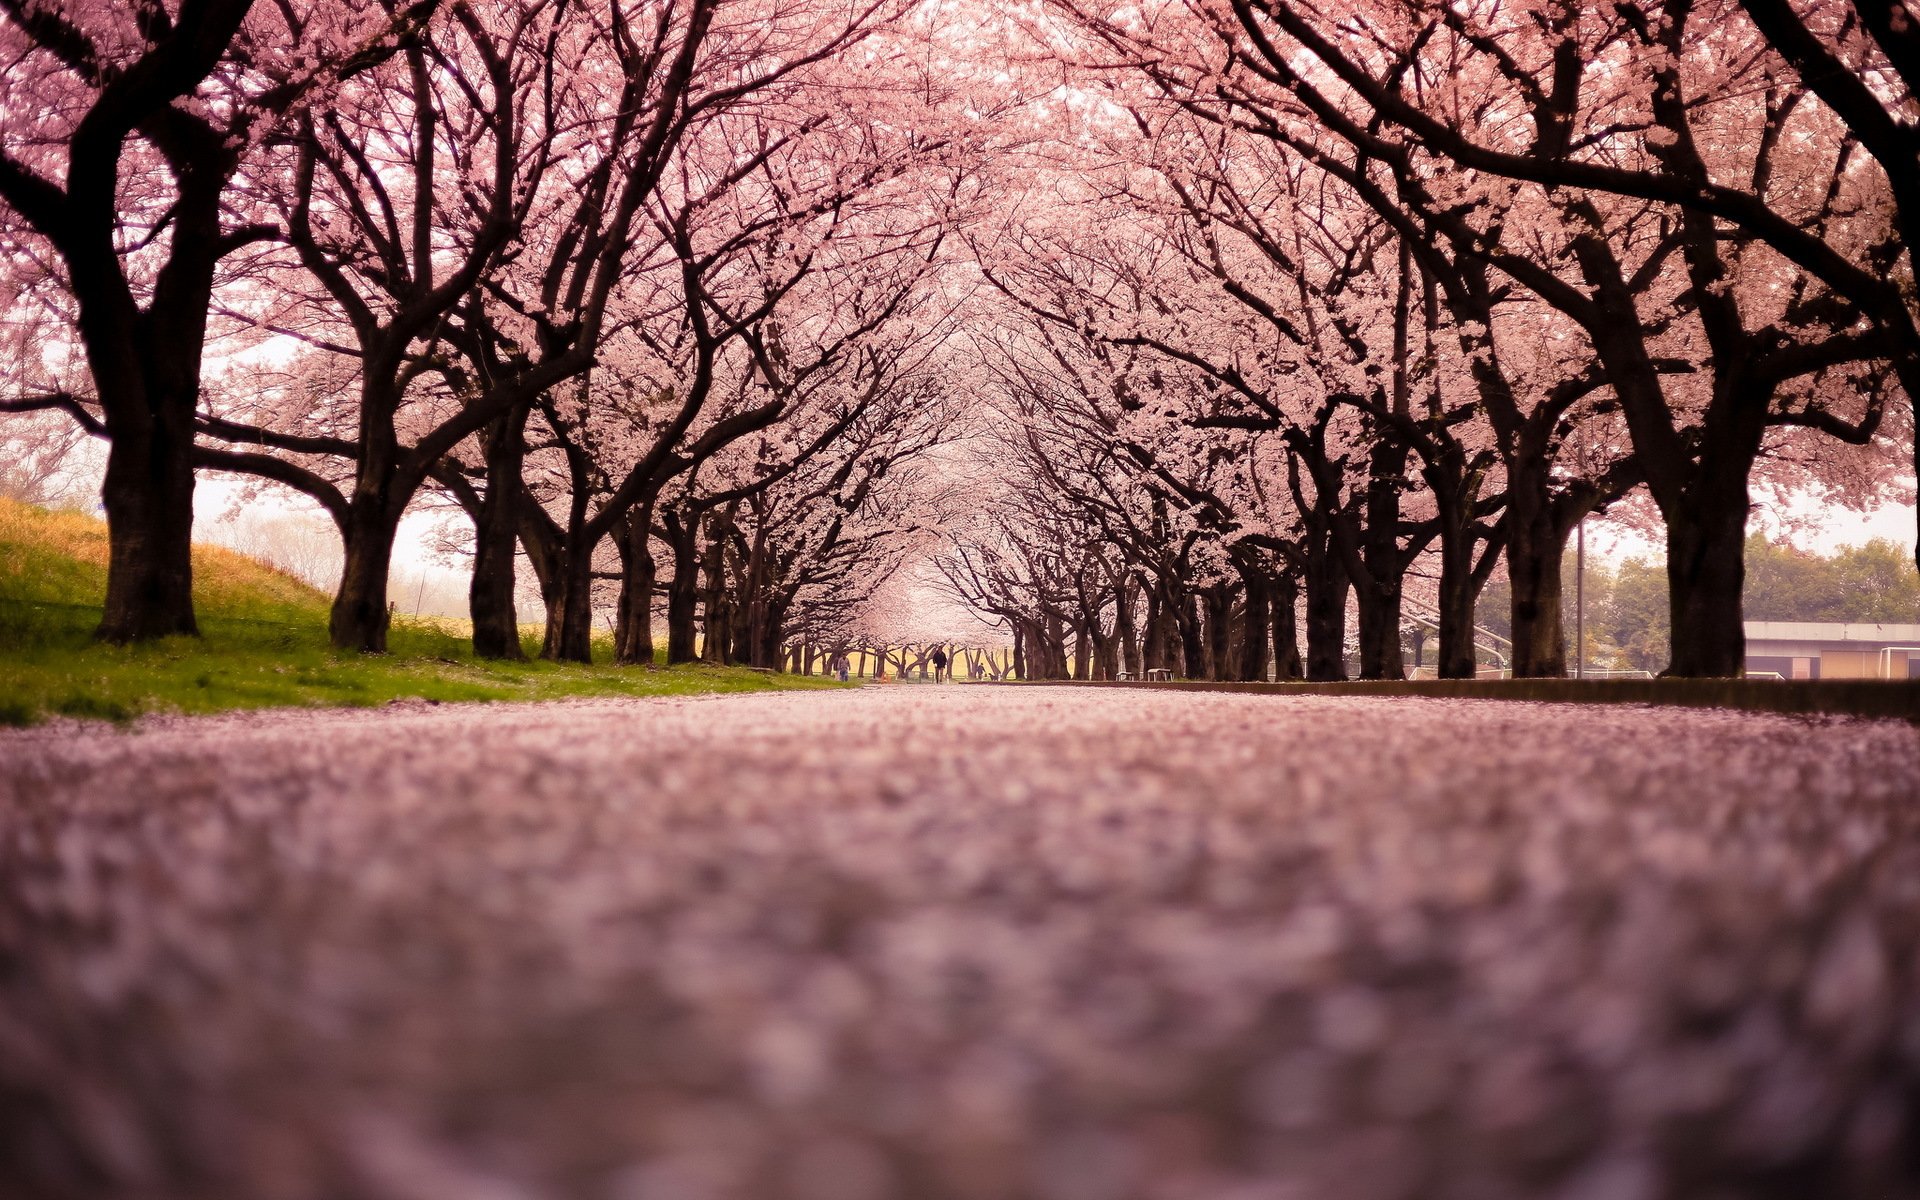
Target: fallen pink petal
[971, 942]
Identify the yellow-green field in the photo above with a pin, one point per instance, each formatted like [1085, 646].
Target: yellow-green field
[263, 643]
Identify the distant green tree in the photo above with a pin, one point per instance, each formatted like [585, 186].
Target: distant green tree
[1631, 614]
[1492, 614]
[1882, 582]
[1626, 622]
[1874, 582]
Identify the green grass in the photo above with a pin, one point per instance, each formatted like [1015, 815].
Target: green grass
[263, 644]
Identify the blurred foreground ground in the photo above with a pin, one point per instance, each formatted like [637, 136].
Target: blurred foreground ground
[962, 942]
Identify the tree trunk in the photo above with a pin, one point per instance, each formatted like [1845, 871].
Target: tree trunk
[1106, 654]
[1380, 654]
[1706, 568]
[1378, 577]
[1326, 614]
[1455, 654]
[1153, 655]
[360, 614]
[1219, 613]
[1193, 646]
[1536, 549]
[683, 593]
[570, 612]
[633, 626]
[772, 632]
[145, 364]
[716, 640]
[496, 529]
[1286, 633]
[761, 645]
[148, 495]
[1130, 656]
[360, 610]
[1704, 502]
[743, 637]
[1255, 628]
[1458, 591]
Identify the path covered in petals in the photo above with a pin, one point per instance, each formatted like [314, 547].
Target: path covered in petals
[962, 942]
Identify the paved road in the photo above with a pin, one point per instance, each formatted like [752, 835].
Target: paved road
[962, 942]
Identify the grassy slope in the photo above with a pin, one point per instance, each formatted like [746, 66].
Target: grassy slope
[263, 643]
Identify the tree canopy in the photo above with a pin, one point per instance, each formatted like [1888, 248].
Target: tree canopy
[1177, 337]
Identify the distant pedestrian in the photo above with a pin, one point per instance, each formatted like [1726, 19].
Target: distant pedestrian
[838, 666]
[940, 666]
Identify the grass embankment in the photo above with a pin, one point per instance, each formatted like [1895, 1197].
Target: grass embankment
[263, 643]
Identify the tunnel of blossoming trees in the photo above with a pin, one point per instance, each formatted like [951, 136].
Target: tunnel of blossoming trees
[1211, 337]
[1206, 341]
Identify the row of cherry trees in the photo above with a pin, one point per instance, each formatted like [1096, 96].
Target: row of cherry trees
[1259, 312]
[1369, 301]
[629, 284]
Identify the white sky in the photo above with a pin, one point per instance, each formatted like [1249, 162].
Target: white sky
[419, 582]
[1822, 530]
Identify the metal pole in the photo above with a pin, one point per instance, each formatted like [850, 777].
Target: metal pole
[1580, 601]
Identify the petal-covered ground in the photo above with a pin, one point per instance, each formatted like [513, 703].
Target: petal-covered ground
[962, 942]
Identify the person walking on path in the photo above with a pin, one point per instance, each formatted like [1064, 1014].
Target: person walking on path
[939, 665]
[838, 667]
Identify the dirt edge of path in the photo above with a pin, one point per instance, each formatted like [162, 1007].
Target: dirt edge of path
[1894, 699]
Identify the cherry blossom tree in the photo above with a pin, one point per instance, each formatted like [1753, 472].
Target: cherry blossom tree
[1218, 314]
[824, 536]
[471, 211]
[1270, 319]
[1838, 79]
[1535, 141]
[126, 125]
[767, 310]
